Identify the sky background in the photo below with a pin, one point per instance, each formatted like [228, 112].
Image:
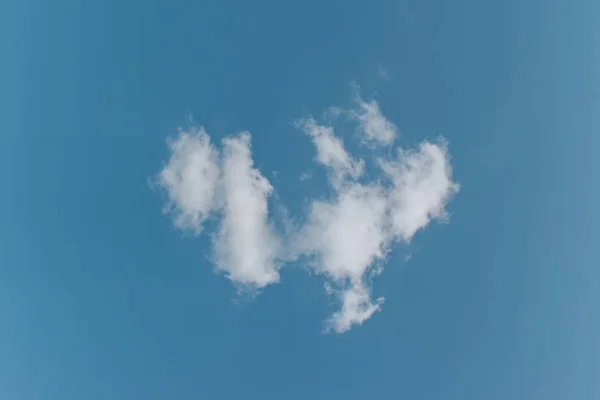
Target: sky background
[101, 298]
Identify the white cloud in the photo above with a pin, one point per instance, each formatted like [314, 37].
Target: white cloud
[190, 179]
[357, 307]
[331, 152]
[422, 185]
[349, 236]
[345, 238]
[374, 126]
[199, 183]
[348, 233]
[246, 246]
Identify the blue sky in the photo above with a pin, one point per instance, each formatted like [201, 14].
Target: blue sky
[102, 295]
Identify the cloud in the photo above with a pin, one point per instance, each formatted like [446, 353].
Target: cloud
[345, 238]
[200, 183]
[246, 246]
[346, 234]
[350, 235]
[421, 186]
[374, 126]
[331, 152]
[357, 307]
[190, 179]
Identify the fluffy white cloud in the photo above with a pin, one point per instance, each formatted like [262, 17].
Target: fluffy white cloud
[357, 307]
[331, 152]
[374, 126]
[246, 247]
[346, 234]
[345, 238]
[421, 186]
[190, 179]
[350, 235]
[200, 182]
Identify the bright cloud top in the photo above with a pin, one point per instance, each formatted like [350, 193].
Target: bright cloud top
[345, 238]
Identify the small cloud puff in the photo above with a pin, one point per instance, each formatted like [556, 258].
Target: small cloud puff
[190, 179]
[373, 125]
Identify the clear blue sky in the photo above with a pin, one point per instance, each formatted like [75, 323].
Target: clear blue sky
[102, 298]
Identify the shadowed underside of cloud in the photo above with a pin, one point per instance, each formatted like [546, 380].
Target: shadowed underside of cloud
[345, 238]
